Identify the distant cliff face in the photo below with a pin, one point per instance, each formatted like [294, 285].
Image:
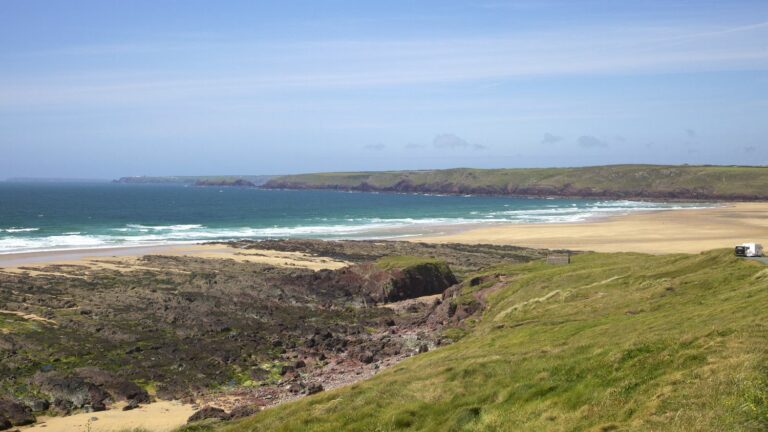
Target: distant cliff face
[239, 180]
[225, 183]
[613, 182]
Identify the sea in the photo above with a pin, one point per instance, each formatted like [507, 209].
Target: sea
[60, 216]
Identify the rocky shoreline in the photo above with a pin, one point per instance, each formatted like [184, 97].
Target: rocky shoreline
[217, 333]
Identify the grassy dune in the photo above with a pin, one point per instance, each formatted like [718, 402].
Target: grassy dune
[652, 181]
[611, 342]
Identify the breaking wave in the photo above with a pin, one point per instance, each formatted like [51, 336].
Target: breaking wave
[20, 239]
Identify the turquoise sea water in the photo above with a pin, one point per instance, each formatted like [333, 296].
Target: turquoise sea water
[55, 216]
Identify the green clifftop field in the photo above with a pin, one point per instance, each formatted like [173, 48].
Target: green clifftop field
[614, 181]
[610, 342]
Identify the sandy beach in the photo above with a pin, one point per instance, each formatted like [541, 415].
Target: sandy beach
[657, 232]
[160, 416]
[126, 259]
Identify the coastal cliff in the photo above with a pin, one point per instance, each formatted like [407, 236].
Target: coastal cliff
[728, 183]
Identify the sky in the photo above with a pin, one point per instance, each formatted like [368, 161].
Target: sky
[107, 88]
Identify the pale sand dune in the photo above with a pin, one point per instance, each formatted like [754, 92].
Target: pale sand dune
[156, 417]
[687, 231]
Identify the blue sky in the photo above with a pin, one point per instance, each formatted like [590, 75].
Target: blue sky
[112, 88]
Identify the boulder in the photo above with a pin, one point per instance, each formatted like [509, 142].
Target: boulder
[16, 412]
[243, 411]
[118, 388]
[38, 405]
[366, 357]
[61, 406]
[132, 404]
[208, 413]
[314, 388]
[5, 424]
[259, 374]
[70, 391]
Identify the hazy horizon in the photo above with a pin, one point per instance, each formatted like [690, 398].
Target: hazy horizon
[95, 89]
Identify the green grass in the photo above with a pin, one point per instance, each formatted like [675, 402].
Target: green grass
[684, 181]
[611, 342]
[405, 261]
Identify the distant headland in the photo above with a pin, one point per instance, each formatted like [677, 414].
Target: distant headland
[667, 182]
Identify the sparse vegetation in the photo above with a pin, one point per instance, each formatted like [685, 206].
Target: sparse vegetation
[402, 261]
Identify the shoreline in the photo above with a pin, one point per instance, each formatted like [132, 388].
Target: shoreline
[656, 231]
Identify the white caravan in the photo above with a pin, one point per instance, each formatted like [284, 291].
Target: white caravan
[749, 250]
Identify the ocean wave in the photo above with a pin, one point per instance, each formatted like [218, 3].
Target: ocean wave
[18, 230]
[149, 228]
[325, 227]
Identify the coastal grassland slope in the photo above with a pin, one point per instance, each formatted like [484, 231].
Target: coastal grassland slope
[610, 342]
[613, 181]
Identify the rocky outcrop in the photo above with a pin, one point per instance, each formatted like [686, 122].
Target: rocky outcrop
[119, 389]
[70, 392]
[14, 413]
[89, 389]
[5, 424]
[373, 284]
[208, 413]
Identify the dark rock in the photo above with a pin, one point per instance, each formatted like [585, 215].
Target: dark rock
[118, 388]
[5, 424]
[366, 357]
[94, 407]
[259, 374]
[38, 405]
[423, 348]
[134, 350]
[284, 369]
[16, 412]
[299, 364]
[208, 413]
[314, 388]
[62, 407]
[73, 389]
[243, 411]
[132, 404]
[389, 322]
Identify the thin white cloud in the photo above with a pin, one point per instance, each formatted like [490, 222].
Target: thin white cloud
[551, 139]
[340, 64]
[589, 141]
[375, 147]
[449, 141]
